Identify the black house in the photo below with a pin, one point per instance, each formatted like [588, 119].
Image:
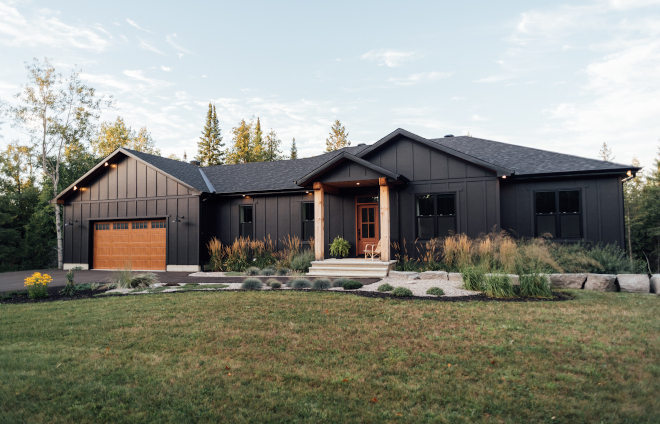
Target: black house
[160, 213]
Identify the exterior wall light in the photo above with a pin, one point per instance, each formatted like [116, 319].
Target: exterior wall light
[503, 176]
[629, 173]
[178, 219]
[106, 164]
[75, 188]
[358, 183]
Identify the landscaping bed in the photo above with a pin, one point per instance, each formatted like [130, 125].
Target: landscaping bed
[54, 295]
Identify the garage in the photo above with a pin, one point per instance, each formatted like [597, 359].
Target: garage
[140, 244]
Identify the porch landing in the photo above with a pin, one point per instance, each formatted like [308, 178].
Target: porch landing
[352, 267]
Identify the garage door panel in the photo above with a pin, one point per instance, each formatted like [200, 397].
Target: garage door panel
[138, 243]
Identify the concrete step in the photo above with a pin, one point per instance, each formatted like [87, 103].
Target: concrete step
[352, 263]
[348, 274]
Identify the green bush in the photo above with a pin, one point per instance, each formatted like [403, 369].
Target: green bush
[499, 285]
[273, 283]
[122, 277]
[339, 282]
[303, 261]
[435, 291]
[252, 284]
[252, 271]
[321, 284]
[385, 288]
[144, 280]
[402, 292]
[300, 283]
[613, 260]
[473, 278]
[534, 285]
[352, 285]
[282, 271]
[267, 271]
[69, 289]
[433, 265]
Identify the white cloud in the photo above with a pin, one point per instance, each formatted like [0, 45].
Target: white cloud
[151, 82]
[180, 55]
[419, 77]
[45, 29]
[166, 68]
[494, 78]
[390, 58]
[133, 23]
[479, 118]
[144, 45]
[170, 40]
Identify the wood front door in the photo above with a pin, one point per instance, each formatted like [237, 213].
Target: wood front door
[367, 226]
[140, 243]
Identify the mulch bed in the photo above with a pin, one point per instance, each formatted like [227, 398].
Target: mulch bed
[53, 296]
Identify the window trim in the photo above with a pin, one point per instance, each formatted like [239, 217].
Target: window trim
[558, 215]
[435, 212]
[302, 220]
[240, 224]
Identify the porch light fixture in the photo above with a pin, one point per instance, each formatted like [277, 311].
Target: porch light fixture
[178, 219]
[106, 164]
[358, 183]
[243, 195]
[69, 223]
[75, 188]
[629, 173]
[503, 176]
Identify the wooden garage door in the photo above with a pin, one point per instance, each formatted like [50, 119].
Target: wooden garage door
[138, 243]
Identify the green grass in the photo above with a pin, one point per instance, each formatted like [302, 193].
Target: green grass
[323, 357]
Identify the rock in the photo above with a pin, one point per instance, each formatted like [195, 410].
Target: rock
[601, 282]
[408, 275]
[455, 276]
[655, 284]
[434, 275]
[634, 283]
[567, 281]
[515, 280]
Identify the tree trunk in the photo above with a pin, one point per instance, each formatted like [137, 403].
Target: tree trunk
[58, 228]
[629, 239]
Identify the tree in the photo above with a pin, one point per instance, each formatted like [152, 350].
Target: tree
[209, 146]
[113, 135]
[55, 112]
[632, 192]
[241, 150]
[605, 153]
[258, 147]
[338, 138]
[17, 165]
[272, 147]
[294, 149]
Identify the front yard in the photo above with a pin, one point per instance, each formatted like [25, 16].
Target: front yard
[277, 356]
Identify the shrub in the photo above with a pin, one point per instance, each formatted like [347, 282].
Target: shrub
[252, 284]
[435, 291]
[263, 252]
[69, 289]
[498, 285]
[273, 283]
[352, 285]
[321, 284]
[267, 271]
[573, 258]
[339, 247]
[402, 292]
[303, 261]
[282, 271]
[473, 278]
[456, 251]
[292, 246]
[300, 283]
[215, 253]
[123, 277]
[613, 260]
[385, 288]
[144, 280]
[252, 271]
[37, 285]
[404, 262]
[534, 285]
[339, 282]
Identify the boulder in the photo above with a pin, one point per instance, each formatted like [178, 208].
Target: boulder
[455, 276]
[634, 283]
[434, 275]
[567, 281]
[601, 282]
[655, 284]
[515, 279]
[408, 275]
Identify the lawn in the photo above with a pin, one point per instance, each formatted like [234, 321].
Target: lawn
[293, 357]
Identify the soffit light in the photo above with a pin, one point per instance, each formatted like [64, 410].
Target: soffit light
[106, 164]
[629, 173]
[358, 183]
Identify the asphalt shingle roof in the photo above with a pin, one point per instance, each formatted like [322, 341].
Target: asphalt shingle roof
[183, 171]
[525, 160]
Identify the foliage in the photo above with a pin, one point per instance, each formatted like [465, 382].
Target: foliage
[252, 284]
[385, 288]
[37, 285]
[338, 137]
[292, 247]
[303, 261]
[456, 251]
[242, 254]
[402, 292]
[613, 260]
[144, 280]
[210, 147]
[123, 277]
[273, 283]
[300, 283]
[339, 247]
[282, 271]
[405, 261]
[498, 285]
[473, 277]
[535, 285]
[267, 271]
[339, 282]
[113, 135]
[252, 271]
[352, 285]
[435, 291]
[247, 143]
[321, 284]
[69, 288]
[272, 150]
[294, 150]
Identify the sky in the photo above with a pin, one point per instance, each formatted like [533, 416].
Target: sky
[565, 77]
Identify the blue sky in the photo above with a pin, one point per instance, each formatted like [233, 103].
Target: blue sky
[558, 76]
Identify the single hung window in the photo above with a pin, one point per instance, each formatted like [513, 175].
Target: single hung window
[436, 215]
[558, 214]
[245, 221]
[307, 220]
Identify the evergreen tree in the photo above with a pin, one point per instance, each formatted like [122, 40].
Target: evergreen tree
[257, 141]
[605, 153]
[338, 138]
[241, 150]
[209, 146]
[272, 147]
[294, 150]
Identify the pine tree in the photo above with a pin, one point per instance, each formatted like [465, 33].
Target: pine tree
[338, 138]
[258, 147]
[209, 146]
[294, 150]
[606, 153]
[272, 147]
[241, 149]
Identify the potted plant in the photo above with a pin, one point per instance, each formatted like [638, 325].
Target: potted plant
[339, 248]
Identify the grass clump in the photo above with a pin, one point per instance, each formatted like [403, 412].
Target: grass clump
[435, 291]
[499, 285]
[339, 282]
[535, 285]
[273, 283]
[282, 272]
[144, 280]
[321, 284]
[473, 278]
[252, 271]
[352, 285]
[402, 292]
[303, 261]
[252, 284]
[267, 271]
[300, 283]
[385, 288]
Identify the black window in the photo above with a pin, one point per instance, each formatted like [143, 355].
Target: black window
[307, 220]
[245, 221]
[120, 226]
[558, 214]
[139, 225]
[158, 224]
[436, 215]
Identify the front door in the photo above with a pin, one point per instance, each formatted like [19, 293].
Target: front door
[367, 226]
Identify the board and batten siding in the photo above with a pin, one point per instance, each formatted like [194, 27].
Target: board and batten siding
[132, 190]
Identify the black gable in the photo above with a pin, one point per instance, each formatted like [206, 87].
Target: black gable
[183, 171]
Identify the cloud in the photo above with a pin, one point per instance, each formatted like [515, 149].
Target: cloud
[419, 77]
[133, 23]
[151, 82]
[45, 29]
[479, 118]
[170, 40]
[494, 78]
[390, 58]
[166, 68]
[144, 45]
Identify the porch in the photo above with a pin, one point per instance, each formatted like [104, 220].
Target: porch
[351, 267]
